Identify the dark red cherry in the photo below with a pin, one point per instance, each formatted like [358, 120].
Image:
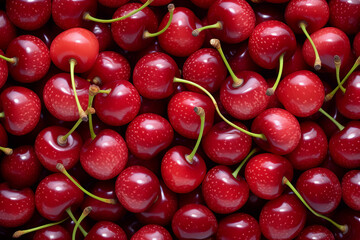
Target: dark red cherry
[16, 206]
[282, 218]
[317, 232]
[3, 137]
[22, 108]
[267, 11]
[239, 58]
[350, 185]
[194, 221]
[106, 230]
[348, 103]
[102, 32]
[264, 174]
[344, 14]
[150, 232]
[4, 71]
[352, 219]
[8, 30]
[56, 232]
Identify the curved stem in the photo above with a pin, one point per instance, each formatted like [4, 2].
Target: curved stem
[171, 8]
[62, 140]
[317, 63]
[71, 215]
[62, 169]
[271, 91]
[342, 228]
[337, 62]
[19, 233]
[256, 135]
[237, 170]
[201, 113]
[341, 127]
[90, 18]
[197, 31]
[82, 113]
[7, 151]
[236, 81]
[93, 90]
[86, 212]
[12, 60]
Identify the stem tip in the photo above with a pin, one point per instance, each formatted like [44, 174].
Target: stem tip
[270, 92]
[60, 167]
[215, 43]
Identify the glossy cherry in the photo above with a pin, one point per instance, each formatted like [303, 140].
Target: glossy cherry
[350, 185]
[105, 230]
[4, 71]
[8, 28]
[352, 219]
[56, 232]
[344, 14]
[102, 32]
[317, 232]
[348, 103]
[152, 231]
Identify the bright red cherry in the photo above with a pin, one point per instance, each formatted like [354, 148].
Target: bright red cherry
[317, 232]
[344, 14]
[150, 232]
[350, 185]
[8, 30]
[56, 232]
[348, 103]
[106, 230]
[194, 221]
[267, 11]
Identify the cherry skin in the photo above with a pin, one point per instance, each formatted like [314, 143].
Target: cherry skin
[152, 231]
[295, 63]
[356, 45]
[120, 106]
[112, 3]
[344, 14]
[22, 109]
[58, 96]
[76, 43]
[147, 135]
[282, 218]
[239, 58]
[105, 230]
[223, 193]
[194, 196]
[226, 145]
[269, 41]
[137, 188]
[180, 175]
[56, 232]
[348, 104]
[3, 137]
[16, 206]
[194, 221]
[312, 148]
[350, 185]
[247, 100]
[317, 232]
[8, 29]
[352, 219]
[21, 169]
[238, 226]
[308, 89]
[178, 40]
[32, 58]
[281, 129]
[267, 11]
[102, 31]
[264, 174]
[4, 71]
[105, 156]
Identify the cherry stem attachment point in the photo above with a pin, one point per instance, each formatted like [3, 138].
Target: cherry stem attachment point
[12, 60]
[271, 91]
[2, 114]
[255, 135]
[7, 151]
[201, 113]
[19, 233]
[71, 215]
[217, 25]
[317, 63]
[342, 228]
[236, 81]
[337, 62]
[251, 153]
[147, 34]
[86, 212]
[62, 169]
[93, 90]
[340, 127]
[90, 18]
[62, 140]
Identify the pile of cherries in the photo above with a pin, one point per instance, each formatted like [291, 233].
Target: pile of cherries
[180, 119]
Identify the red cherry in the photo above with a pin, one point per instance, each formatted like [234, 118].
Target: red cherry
[317, 232]
[4, 71]
[105, 230]
[137, 188]
[239, 58]
[8, 30]
[352, 219]
[344, 14]
[56, 232]
[295, 63]
[150, 232]
[350, 185]
[267, 11]
[194, 221]
[348, 103]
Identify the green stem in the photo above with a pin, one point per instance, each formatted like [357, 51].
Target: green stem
[337, 62]
[201, 113]
[86, 212]
[342, 228]
[341, 127]
[68, 210]
[82, 113]
[197, 31]
[10, 60]
[7, 151]
[62, 140]
[90, 18]
[19, 233]
[91, 126]
[271, 91]
[171, 9]
[255, 135]
[2, 114]
[237, 170]
[62, 169]
[317, 63]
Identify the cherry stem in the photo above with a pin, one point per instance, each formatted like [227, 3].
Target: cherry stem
[68, 210]
[337, 62]
[197, 31]
[2, 114]
[317, 63]
[342, 228]
[7, 151]
[271, 91]
[82, 113]
[147, 34]
[255, 135]
[93, 90]
[90, 18]
[341, 127]
[19, 233]
[330, 95]
[62, 169]
[236, 81]
[237, 170]
[12, 60]
[201, 113]
[86, 212]
[62, 140]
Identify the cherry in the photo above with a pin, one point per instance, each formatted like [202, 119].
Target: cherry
[282, 218]
[137, 188]
[21, 110]
[352, 219]
[152, 231]
[28, 15]
[239, 58]
[105, 156]
[344, 14]
[194, 221]
[8, 30]
[106, 230]
[295, 63]
[147, 135]
[102, 31]
[194, 196]
[120, 106]
[238, 226]
[4, 71]
[153, 165]
[350, 185]
[56, 232]
[317, 232]
[16, 206]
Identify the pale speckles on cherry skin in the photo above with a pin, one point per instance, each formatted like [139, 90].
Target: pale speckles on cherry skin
[350, 185]
[317, 232]
[150, 232]
[348, 104]
[56, 232]
[345, 15]
[8, 30]
[4, 71]
[106, 230]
